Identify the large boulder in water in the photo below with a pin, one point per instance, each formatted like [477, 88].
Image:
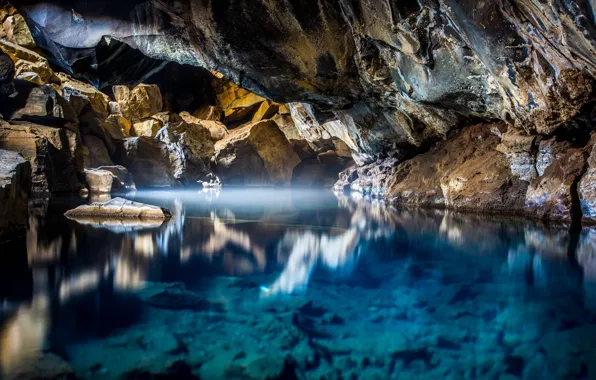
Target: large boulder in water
[257, 154]
[119, 208]
[15, 185]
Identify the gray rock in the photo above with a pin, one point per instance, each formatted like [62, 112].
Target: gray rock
[15, 185]
[119, 208]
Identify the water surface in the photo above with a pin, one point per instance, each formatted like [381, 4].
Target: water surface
[298, 284]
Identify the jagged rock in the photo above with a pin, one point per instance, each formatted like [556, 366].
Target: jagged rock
[189, 148]
[95, 153]
[218, 130]
[167, 117]
[520, 151]
[119, 208]
[15, 184]
[17, 31]
[55, 154]
[139, 103]
[466, 172]
[322, 171]
[208, 112]
[39, 103]
[236, 102]
[118, 127]
[146, 159]
[30, 66]
[106, 179]
[587, 188]
[287, 126]
[372, 179]
[266, 110]
[6, 75]
[147, 128]
[97, 100]
[552, 195]
[256, 154]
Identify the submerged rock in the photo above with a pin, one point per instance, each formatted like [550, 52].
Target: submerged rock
[119, 208]
[15, 184]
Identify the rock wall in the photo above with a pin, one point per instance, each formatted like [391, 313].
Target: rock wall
[15, 185]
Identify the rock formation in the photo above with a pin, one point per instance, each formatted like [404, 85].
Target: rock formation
[119, 208]
[15, 185]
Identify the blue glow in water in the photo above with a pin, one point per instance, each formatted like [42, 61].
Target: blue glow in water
[269, 283]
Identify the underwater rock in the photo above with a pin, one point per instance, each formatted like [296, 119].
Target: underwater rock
[46, 367]
[119, 208]
[175, 296]
[15, 184]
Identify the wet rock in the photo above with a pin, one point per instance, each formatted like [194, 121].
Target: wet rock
[55, 154]
[15, 185]
[189, 149]
[322, 171]
[106, 179]
[39, 104]
[97, 100]
[520, 151]
[257, 154]
[145, 159]
[372, 179]
[30, 66]
[119, 208]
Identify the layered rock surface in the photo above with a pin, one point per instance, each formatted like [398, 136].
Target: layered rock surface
[119, 208]
[15, 185]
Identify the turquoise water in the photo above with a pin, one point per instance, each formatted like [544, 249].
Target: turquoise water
[280, 284]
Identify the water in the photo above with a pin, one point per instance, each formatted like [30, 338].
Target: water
[297, 284]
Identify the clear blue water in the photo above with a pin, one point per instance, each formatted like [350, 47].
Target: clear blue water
[250, 284]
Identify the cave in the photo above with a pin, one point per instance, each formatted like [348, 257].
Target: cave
[193, 162]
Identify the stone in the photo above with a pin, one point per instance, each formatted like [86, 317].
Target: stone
[257, 154]
[7, 72]
[519, 149]
[17, 31]
[552, 195]
[97, 99]
[15, 185]
[141, 102]
[147, 128]
[587, 188]
[119, 208]
[35, 72]
[466, 172]
[39, 103]
[208, 112]
[55, 154]
[96, 153]
[217, 130]
[322, 171]
[189, 148]
[107, 179]
[148, 162]
[266, 110]
[373, 179]
[45, 367]
[118, 127]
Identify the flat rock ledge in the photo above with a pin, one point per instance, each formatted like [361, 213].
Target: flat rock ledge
[119, 208]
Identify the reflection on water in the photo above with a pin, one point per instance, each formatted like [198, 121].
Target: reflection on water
[68, 288]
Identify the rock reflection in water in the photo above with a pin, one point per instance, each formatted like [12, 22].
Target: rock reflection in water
[285, 242]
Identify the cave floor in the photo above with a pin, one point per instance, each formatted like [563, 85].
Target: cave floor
[299, 284]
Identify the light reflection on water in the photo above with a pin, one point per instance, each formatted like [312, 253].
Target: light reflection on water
[73, 277]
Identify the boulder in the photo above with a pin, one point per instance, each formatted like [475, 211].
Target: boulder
[97, 99]
[373, 179]
[257, 154]
[217, 130]
[6, 75]
[17, 31]
[118, 127]
[95, 153]
[147, 128]
[189, 149]
[15, 185]
[30, 65]
[148, 162]
[519, 149]
[552, 195]
[39, 104]
[266, 110]
[119, 208]
[139, 103]
[107, 179]
[208, 112]
[55, 154]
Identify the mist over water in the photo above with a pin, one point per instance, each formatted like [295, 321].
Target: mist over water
[262, 282]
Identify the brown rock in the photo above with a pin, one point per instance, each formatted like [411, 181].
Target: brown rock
[17, 31]
[119, 208]
[266, 110]
[146, 159]
[519, 149]
[99, 181]
[208, 112]
[96, 153]
[41, 103]
[189, 149]
[257, 154]
[145, 100]
[147, 128]
[322, 171]
[587, 188]
[55, 154]
[97, 99]
[218, 130]
[118, 127]
[36, 72]
[465, 172]
[15, 185]
[551, 196]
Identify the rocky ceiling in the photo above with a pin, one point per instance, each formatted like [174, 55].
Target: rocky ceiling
[396, 73]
